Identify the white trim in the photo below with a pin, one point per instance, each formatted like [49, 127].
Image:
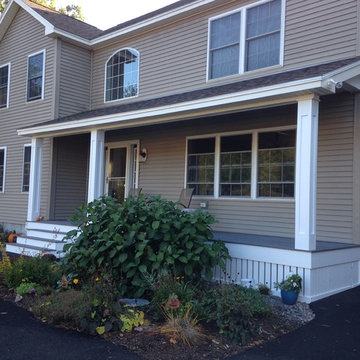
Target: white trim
[254, 153]
[8, 85]
[35, 179]
[168, 110]
[4, 172]
[138, 76]
[96, 165]
[43, 76]
[23, 168]
[242, 38]
[306, 173]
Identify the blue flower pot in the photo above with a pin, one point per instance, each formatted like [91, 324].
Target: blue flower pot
[289, 297]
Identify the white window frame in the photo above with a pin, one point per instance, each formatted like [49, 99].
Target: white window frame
[8, 86]
[242, 45]
[23, 168]
[4, 173]
[254, 164]
[138, 76]
[43, 76]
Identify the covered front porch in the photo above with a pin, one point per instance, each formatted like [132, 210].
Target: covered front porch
[305, 221]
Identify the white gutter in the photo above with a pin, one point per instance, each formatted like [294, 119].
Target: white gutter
[221, 100]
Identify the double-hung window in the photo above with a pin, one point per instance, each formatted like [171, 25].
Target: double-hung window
[26, 168]
[245, 40]
[259, 164]
[4, 85]
[2, 168]
[122, 75]
[35, 76]
[201, 160]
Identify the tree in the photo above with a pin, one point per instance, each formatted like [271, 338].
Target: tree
[74, 11]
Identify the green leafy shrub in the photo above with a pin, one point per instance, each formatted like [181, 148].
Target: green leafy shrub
[38, 270]
[139, 236]
[235, 310]
[26, 288]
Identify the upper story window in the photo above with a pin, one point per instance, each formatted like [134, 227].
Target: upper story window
[4, 85]
[36, 76]
[245, 40]
[2, 168]
[122, 75]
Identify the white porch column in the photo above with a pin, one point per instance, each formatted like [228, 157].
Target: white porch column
[35, 179]
[306, 169]
[96, 168]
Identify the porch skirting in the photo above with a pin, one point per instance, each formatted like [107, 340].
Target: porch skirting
[324, 273]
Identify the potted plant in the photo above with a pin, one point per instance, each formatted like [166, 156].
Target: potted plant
[290, 288]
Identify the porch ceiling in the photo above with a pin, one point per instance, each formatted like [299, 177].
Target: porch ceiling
[280, 88]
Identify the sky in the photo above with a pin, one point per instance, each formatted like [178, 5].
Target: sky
[107, 13]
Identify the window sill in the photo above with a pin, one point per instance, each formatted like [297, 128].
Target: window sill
[229, 198]
[247, 75]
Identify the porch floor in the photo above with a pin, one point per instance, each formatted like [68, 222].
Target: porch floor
[276, 242]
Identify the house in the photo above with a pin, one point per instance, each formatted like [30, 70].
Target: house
[255, 104]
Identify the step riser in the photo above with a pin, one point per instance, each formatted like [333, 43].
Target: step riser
[49, 227]
[45, 235]
[44, 244]
[12, 248]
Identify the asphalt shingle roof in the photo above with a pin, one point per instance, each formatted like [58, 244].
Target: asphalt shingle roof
[239, 86]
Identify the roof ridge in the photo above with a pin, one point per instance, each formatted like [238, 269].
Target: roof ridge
[59, 13]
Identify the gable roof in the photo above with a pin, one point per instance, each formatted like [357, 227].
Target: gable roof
[65, 22]
[86, 34]
[321, 79]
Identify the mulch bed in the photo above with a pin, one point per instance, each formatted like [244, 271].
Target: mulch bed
[149, 343]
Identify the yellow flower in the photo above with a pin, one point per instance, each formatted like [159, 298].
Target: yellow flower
[97, 279]
[75, 281]
[23, 280]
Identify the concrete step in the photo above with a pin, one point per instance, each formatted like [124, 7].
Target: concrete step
[45, 234]
[28, 250]
[49, 244]
[49, 226]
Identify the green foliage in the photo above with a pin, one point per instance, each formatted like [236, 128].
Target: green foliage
[26, 288]
[130, 319]
[292, 282]
[235, 310]
[165, 285]
[74, 11]
[263, 289]
[142, 235]
[40, 270]
[67, 308]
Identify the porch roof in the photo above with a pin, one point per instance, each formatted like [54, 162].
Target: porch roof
[320, 79]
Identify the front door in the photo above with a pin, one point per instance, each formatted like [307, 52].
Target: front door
[121, 170]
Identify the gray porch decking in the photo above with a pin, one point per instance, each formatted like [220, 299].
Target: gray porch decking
[276, 242]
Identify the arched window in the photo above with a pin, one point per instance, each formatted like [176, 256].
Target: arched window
[122, 75]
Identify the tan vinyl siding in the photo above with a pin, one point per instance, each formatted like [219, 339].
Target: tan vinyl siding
[335, 169]
[75, 75]
[164, 171]
[24, 37]
[173, 58]
[70, 174]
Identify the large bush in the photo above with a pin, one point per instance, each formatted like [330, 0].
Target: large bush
[142, 235]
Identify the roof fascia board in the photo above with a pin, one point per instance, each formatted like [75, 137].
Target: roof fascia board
[276, 90]
[151, 21]
[340, 75]
[70, 36]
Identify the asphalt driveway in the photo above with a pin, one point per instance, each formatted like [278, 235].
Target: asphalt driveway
[333, 335]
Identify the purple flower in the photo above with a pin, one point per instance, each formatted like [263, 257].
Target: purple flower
[32, 291]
